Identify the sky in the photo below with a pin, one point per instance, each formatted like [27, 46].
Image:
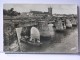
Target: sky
[56, 8]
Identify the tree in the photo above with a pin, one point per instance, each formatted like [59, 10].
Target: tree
[5, 12]
[10, 12]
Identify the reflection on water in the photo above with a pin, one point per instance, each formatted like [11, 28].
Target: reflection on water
[56, 38]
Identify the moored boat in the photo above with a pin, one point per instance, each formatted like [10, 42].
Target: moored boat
[32, 37]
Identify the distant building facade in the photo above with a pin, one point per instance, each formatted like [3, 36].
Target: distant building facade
[40, 14]
[50, 10]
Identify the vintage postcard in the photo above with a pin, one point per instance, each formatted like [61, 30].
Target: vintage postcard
[40, 28]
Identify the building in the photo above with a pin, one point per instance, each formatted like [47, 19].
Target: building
[40, 14]
[50, 10]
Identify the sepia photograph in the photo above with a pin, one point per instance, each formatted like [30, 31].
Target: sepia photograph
[40, 28]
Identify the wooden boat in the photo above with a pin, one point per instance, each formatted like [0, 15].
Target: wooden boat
[34, 44]
[33, 39]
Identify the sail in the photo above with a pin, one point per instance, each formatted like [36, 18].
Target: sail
[68, 23]
[35, 34]
[51, 30]
[64, 26]
[74, 22]
[18, 31]
[59, 26]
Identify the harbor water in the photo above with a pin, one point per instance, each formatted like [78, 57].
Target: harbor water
[61, 42]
